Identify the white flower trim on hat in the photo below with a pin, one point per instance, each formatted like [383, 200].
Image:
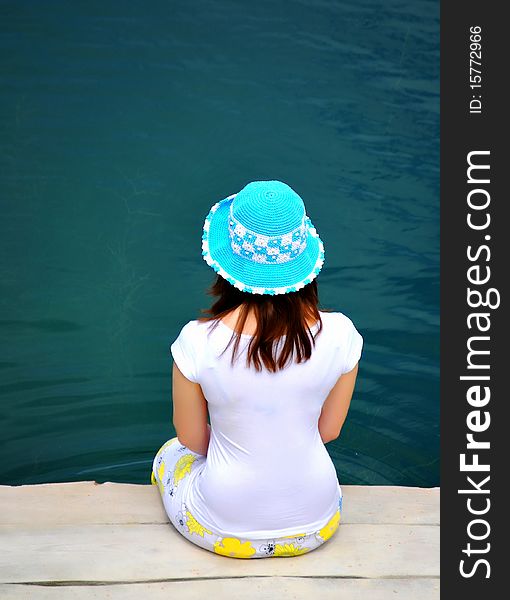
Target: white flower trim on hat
[252, 289]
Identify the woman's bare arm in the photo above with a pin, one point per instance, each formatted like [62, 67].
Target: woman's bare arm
[335, 407]
[190, 413]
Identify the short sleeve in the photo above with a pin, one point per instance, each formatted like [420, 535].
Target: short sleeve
[184, 351]
[353, 346]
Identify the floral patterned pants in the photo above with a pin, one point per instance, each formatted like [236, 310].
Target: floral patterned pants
[173, 463]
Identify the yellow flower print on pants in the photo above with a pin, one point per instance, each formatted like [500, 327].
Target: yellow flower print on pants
[331, 526]
[161, 469]
[183, 466]
[288, 550]
[161, 472]
[194, 526]
[233, 547]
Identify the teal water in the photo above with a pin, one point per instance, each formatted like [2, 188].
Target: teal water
[121, 124]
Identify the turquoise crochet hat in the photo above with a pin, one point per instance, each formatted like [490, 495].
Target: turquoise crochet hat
[262, 241]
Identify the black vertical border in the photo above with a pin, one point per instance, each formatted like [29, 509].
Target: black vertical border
[462, 132]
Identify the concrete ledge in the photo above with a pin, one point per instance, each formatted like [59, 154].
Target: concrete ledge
[74, 540]
[259, 588]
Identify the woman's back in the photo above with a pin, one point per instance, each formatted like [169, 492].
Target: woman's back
[258, 481]
[267, 468]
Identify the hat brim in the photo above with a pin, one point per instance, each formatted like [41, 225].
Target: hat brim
[257, 278]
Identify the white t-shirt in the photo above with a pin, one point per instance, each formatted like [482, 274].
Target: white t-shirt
[267, 471]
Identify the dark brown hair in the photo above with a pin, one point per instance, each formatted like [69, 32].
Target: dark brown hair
[276, 316]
